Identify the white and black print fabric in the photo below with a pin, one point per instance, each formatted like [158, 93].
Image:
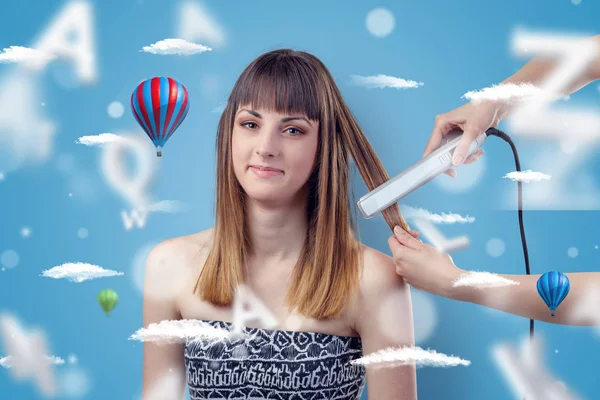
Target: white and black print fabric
[274, 364]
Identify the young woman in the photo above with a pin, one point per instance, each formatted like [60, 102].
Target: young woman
[284, 228]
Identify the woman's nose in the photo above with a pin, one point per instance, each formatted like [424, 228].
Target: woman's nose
[268, 144]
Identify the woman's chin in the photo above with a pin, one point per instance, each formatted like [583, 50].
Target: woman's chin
[267, 197]
[264, 195]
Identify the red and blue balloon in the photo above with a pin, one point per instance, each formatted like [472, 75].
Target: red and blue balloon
[553, 287]
[160, 105]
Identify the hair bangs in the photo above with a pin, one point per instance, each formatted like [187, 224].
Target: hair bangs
[280, 84]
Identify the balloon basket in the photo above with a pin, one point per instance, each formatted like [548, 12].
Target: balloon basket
[159, 154]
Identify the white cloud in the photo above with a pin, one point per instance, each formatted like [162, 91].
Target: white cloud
[103, 138]
[410, 212]
[19, 54]
[409, 355]
[178, 47]
[527, 176]
[482, 280]
[179, 331]
[6, 362]
[79, 272]
[28, 354]
[511, 92]
[167, 206]
[383, 81]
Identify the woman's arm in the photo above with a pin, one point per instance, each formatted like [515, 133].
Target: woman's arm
[384, 319]
[523, 299]
[164, 368]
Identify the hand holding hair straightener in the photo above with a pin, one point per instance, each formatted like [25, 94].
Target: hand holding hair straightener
[476, 117]
[426, 268]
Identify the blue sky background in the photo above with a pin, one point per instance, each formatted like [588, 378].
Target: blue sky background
[452, 47]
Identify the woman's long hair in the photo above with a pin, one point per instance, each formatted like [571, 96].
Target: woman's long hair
[327, 271]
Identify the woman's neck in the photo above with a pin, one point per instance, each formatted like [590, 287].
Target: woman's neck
[277, 234]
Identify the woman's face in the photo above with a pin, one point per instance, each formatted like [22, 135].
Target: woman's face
[285, 143]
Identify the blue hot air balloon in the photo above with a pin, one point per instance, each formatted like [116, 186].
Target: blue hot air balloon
[160, 105]
[553, 287]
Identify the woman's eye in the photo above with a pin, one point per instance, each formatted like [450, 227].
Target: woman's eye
[250, 125]
[294, 131]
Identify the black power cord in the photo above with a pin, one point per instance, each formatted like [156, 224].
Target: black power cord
[506, 138]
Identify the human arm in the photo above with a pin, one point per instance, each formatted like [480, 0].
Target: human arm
[163, 368]
[428, 269]
[536, 69]
[474, 118]
[384, 319]
[524, 301]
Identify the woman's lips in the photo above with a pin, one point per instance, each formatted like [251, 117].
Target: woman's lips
[262, 173]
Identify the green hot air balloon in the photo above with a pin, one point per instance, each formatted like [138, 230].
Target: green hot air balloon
[108, 300]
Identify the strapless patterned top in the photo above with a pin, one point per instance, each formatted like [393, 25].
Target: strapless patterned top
[274, 364]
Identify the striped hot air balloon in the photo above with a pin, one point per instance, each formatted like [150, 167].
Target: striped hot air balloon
[160, 105]
[553, 287]
[107, 299]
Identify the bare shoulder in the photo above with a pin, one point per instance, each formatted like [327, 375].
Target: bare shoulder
[384, 320]
[379, 285]
[181, 252]
[378, 272]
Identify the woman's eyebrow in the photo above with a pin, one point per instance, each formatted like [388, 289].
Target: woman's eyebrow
[286, 119]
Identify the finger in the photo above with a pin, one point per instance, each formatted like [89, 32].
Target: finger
[396, 248]
[463, 147]
[406, 239]
[473, 157]
[414, 233]
[470, 160]
[436, 137]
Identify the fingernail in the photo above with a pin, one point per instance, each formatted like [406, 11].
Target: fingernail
[457, 160]
[397, 230]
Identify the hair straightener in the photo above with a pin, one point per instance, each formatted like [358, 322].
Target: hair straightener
[415, 176]
[428, 168]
